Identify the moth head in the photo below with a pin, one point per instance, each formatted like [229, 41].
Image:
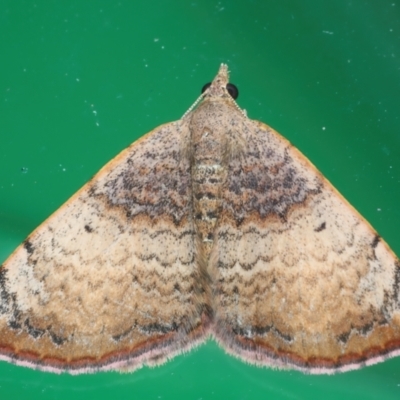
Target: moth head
[220, 86]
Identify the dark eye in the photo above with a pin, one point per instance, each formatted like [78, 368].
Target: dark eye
[232, 89]
[205, 87]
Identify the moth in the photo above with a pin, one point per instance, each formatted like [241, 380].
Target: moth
[210, 226]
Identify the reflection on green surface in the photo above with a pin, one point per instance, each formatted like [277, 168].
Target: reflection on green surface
[82, 80]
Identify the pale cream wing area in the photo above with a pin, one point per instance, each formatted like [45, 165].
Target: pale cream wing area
[110, 279]
[300, 278]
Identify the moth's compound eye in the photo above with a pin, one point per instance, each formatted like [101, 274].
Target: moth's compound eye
[205, 87]
[232, 90]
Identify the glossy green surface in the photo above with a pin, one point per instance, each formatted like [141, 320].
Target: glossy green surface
[80, 80]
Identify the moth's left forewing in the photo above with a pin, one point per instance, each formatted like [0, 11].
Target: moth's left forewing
[302, 279]
[110, 280]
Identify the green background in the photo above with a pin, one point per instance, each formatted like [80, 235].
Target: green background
[80, 80]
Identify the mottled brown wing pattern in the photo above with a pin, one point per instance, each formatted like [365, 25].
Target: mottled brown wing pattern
[110, 280]
[302, 279]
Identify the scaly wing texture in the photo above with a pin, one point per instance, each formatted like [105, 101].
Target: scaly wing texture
[110, 280]
[301, 280]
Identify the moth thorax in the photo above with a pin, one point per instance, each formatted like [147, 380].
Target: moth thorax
[209, 174]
